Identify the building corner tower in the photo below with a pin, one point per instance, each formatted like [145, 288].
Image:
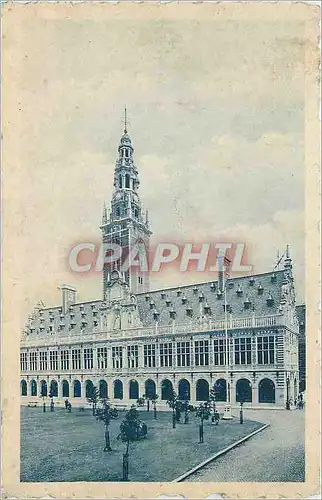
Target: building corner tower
[126, 224]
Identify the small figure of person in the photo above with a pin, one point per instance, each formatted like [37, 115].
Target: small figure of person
[69, 407]
[52, 405]
[66, 404]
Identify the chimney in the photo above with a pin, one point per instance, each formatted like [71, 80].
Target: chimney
[68, 294]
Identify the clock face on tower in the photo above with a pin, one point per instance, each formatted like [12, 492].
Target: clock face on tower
[114, 275]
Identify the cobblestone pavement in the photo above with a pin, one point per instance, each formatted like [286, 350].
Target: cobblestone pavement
[275, 454]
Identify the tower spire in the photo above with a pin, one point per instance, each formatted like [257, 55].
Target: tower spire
[125, 120]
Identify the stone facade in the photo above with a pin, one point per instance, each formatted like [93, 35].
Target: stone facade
[136, 341]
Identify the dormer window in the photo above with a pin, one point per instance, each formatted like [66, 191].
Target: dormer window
[201, 297]
[93, 306]
[213, 287]
[206, 308]
[184, 299]
[61, 316]
[94, 313]
[260, 289]
[227, 307]
[152, 304]
[231, 284]
[189, 311]
[219, 294]
[81, 306]
[270, 300]
[168, 302]
[195, 290]
[162, 295]
[84, 323]
[172, 313]
[251, 281]
[239, 291]
[247, 303]
[179, 292]
[273, 278]
[156, 315]
[147, 298]
[95, 323]
[83, 313]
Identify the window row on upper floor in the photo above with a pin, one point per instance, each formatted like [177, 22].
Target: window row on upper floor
[165, 354]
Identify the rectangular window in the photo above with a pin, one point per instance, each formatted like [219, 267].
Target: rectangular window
[243, 351]
[23, 361]
[219, 352]
[149, 356]
[266, 350]
[64, 359]
[88, 359]
[33, 361]
[117, 357]
[132, 356]
[183, 353]
[76, 359]
[43, 361]
[166, 354]
[53, 360]
[201, 352]
[102, 357]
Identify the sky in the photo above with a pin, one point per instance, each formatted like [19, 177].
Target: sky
[216, 116]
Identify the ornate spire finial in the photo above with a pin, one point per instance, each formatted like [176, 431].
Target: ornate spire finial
[125, 120]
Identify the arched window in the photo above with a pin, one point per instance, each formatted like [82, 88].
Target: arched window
[134, 389]
[166, 389]
[65, 387]
[295, 389]
[117, 212]
[54, 388]
[202, 390]
[184, 390]
[88, 388]
[118, 389]
[43, 388]
[126, 153]
[33, 388]
[120, 181]
[127, 180]
[266, 391]
[23, 386]
[220, 389]
[150, 389]
[77, 389]
[102, 389]
[243, 391]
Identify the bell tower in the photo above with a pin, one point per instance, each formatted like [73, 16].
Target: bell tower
[126, 223]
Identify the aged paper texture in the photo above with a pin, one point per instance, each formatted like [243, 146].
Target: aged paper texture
[170, 346]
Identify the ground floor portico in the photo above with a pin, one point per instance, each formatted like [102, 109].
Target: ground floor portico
[254, 388]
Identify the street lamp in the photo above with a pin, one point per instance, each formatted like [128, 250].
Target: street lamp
[288, 393]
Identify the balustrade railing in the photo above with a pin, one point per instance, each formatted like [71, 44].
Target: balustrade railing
[84, 337]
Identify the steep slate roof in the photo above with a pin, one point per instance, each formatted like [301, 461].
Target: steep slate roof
[254, 290]
[239, 290]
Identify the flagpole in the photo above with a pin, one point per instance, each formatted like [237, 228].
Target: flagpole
[227, 410]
